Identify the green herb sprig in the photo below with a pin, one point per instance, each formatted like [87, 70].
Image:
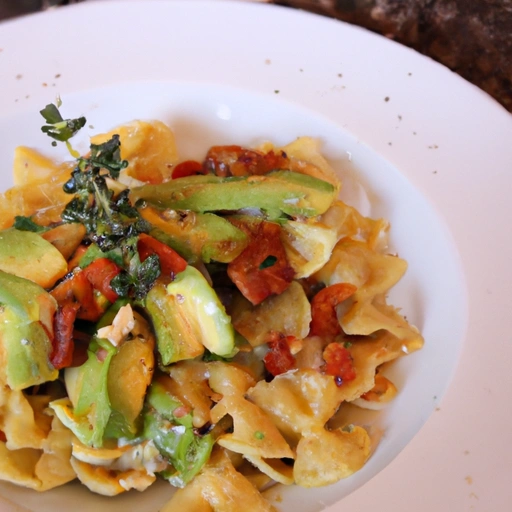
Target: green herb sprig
[111, 221]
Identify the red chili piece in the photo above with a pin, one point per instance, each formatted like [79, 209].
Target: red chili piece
[279, 359]
[339, 363]
[63, 344]
[187, 168]
[100, 273]
[262, 268]
[239, 161]
[78, 290]
[324, 321]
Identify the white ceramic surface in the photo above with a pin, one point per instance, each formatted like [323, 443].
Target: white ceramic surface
[432, 152]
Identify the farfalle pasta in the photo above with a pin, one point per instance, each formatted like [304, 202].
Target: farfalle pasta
[211, 319]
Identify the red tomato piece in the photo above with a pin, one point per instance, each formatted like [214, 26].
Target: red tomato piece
[3, 438]
[63, 344]
[100, 273]
[77, 289]
[324, 321]
[279, 358]
[77, 256]
[239, 161]
[187, 168]
[339, 363]
[171, 263]
[262, 268]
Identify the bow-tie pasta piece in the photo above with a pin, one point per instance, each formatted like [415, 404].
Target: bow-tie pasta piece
[297, 401]
[348, 450]
[288, 313]
[149, 148]
[219, 487]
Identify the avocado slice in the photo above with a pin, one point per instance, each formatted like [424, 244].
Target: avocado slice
[87, 410]
[174, 436]
[26, 327]
[203, 236]
[26, 254]
[188, 317]
[276, 193]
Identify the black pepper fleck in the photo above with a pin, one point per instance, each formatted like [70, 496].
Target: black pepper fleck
[386, 98]
[57, 75]
[19, 76]
[276, 91]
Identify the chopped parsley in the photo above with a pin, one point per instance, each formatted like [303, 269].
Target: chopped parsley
[269, 261]
[27, 224]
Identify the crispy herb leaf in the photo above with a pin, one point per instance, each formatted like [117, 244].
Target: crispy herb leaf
[57, 127]
[269, 261]
[108, 156]
[138, 279]
[27, 224]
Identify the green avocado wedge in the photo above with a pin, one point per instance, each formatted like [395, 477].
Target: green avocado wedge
[188, 317]
[174, 436]
[26, 319]
[26, 254]
[87, 410]
[276, 194]
[196, 236]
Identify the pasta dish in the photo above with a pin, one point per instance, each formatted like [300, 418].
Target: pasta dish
[200, 322]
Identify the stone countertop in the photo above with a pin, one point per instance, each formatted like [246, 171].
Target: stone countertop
[472, 38]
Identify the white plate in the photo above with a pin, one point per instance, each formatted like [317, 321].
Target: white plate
[432, 151]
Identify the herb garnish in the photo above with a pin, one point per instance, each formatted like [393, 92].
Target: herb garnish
[269, 261]
[27, 224]
[57, 127]
[110, 220]
[139, 276]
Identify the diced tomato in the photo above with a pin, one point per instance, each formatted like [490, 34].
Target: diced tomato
[262, 268]
[187, 168]
[239, 161]
[100, 273]
[63, 343]
[3, 437]
[77, 289]
[279, 358]
[77, 256]
[339, 363]
[324, 321]
[171, 263]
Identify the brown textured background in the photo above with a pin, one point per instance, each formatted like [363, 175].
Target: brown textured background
[471, 37]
